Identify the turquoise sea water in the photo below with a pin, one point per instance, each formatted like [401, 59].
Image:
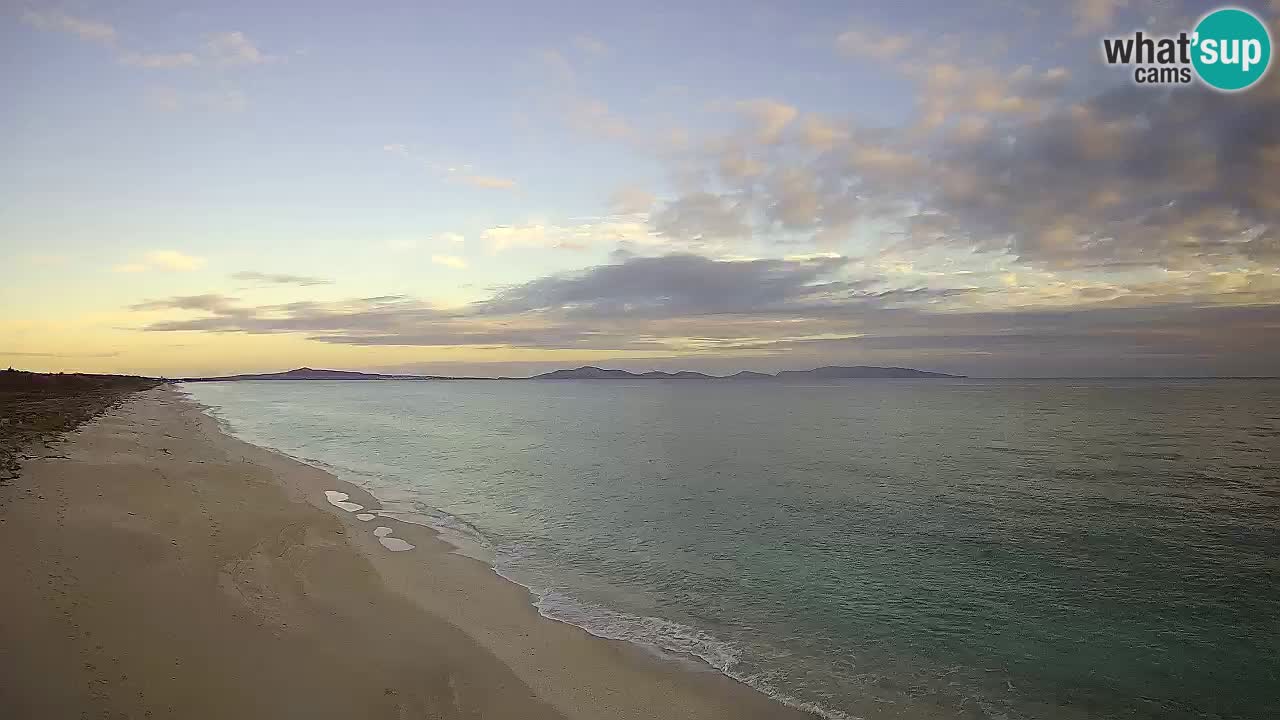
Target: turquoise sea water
[1003, 549]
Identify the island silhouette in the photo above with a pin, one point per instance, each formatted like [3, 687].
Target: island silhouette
[590, 372]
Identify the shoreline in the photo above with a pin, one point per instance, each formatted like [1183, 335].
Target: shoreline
[466, 541]
[156, 535]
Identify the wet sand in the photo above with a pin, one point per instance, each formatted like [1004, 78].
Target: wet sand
[157, 567]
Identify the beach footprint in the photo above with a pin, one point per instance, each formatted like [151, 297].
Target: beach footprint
[393, 544]
[339, 499]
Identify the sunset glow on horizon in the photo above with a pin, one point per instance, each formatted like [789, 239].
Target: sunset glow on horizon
[228, 188]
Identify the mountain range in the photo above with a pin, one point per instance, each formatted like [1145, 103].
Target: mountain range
[588, 372]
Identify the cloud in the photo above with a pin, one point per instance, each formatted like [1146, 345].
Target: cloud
[820, 134]
[451, 172]
[59, 21]
[1126, 178]
[797, 203]
[594, 116]
[1095, 15]
[555, 311]
[883, 46]
[209, 302]
[106, 35]
[738, 163]
[631, 201]
[702, 216]
[170, 260]
[769, 116]
[569, 237]
[817, 309]
[489, 182]
[233, 48]
[675, 285]
[452, 261]
[555, 63]
[450, 237]
[159, 60]
[563, 91]
[280, 278]
[1005, 166]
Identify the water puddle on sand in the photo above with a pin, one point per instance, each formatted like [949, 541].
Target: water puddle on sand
[365, 517]
[339, 499]
[391, 543]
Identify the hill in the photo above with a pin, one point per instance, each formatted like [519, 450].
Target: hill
[306, 373]
[858, 371]
[590, 372]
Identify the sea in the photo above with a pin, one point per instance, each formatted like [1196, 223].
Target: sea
[1001, 549]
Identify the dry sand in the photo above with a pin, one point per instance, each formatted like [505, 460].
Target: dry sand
[156, 567]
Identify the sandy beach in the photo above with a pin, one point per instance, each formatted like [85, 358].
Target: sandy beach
[160, 568]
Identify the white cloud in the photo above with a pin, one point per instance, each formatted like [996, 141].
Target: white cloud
[234, 48]
[61, 22]
[169, 260]
[770, 116]
[631, 200]
[819, 134]
[159, 60]
[450, 237]
[1094, 15]
[557, 66]
[173, 260]
[452, 261]
[225, 46]
[595, 117]
[570, 237]
[877, 46]
[489, 182]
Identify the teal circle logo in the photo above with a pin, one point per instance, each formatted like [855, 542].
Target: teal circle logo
[1232, 49]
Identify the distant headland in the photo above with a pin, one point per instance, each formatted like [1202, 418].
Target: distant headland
[588, 372]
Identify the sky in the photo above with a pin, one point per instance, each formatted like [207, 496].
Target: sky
[489, 188]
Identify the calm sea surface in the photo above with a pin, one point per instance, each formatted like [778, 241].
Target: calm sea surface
[1003, 549]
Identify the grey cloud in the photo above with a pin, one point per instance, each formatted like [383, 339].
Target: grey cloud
[676, 285]
[702, 216]
[641, 302]
[280, 278]
[1184, 339]
[797, 311]
[210, 302]
[1131, 177]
